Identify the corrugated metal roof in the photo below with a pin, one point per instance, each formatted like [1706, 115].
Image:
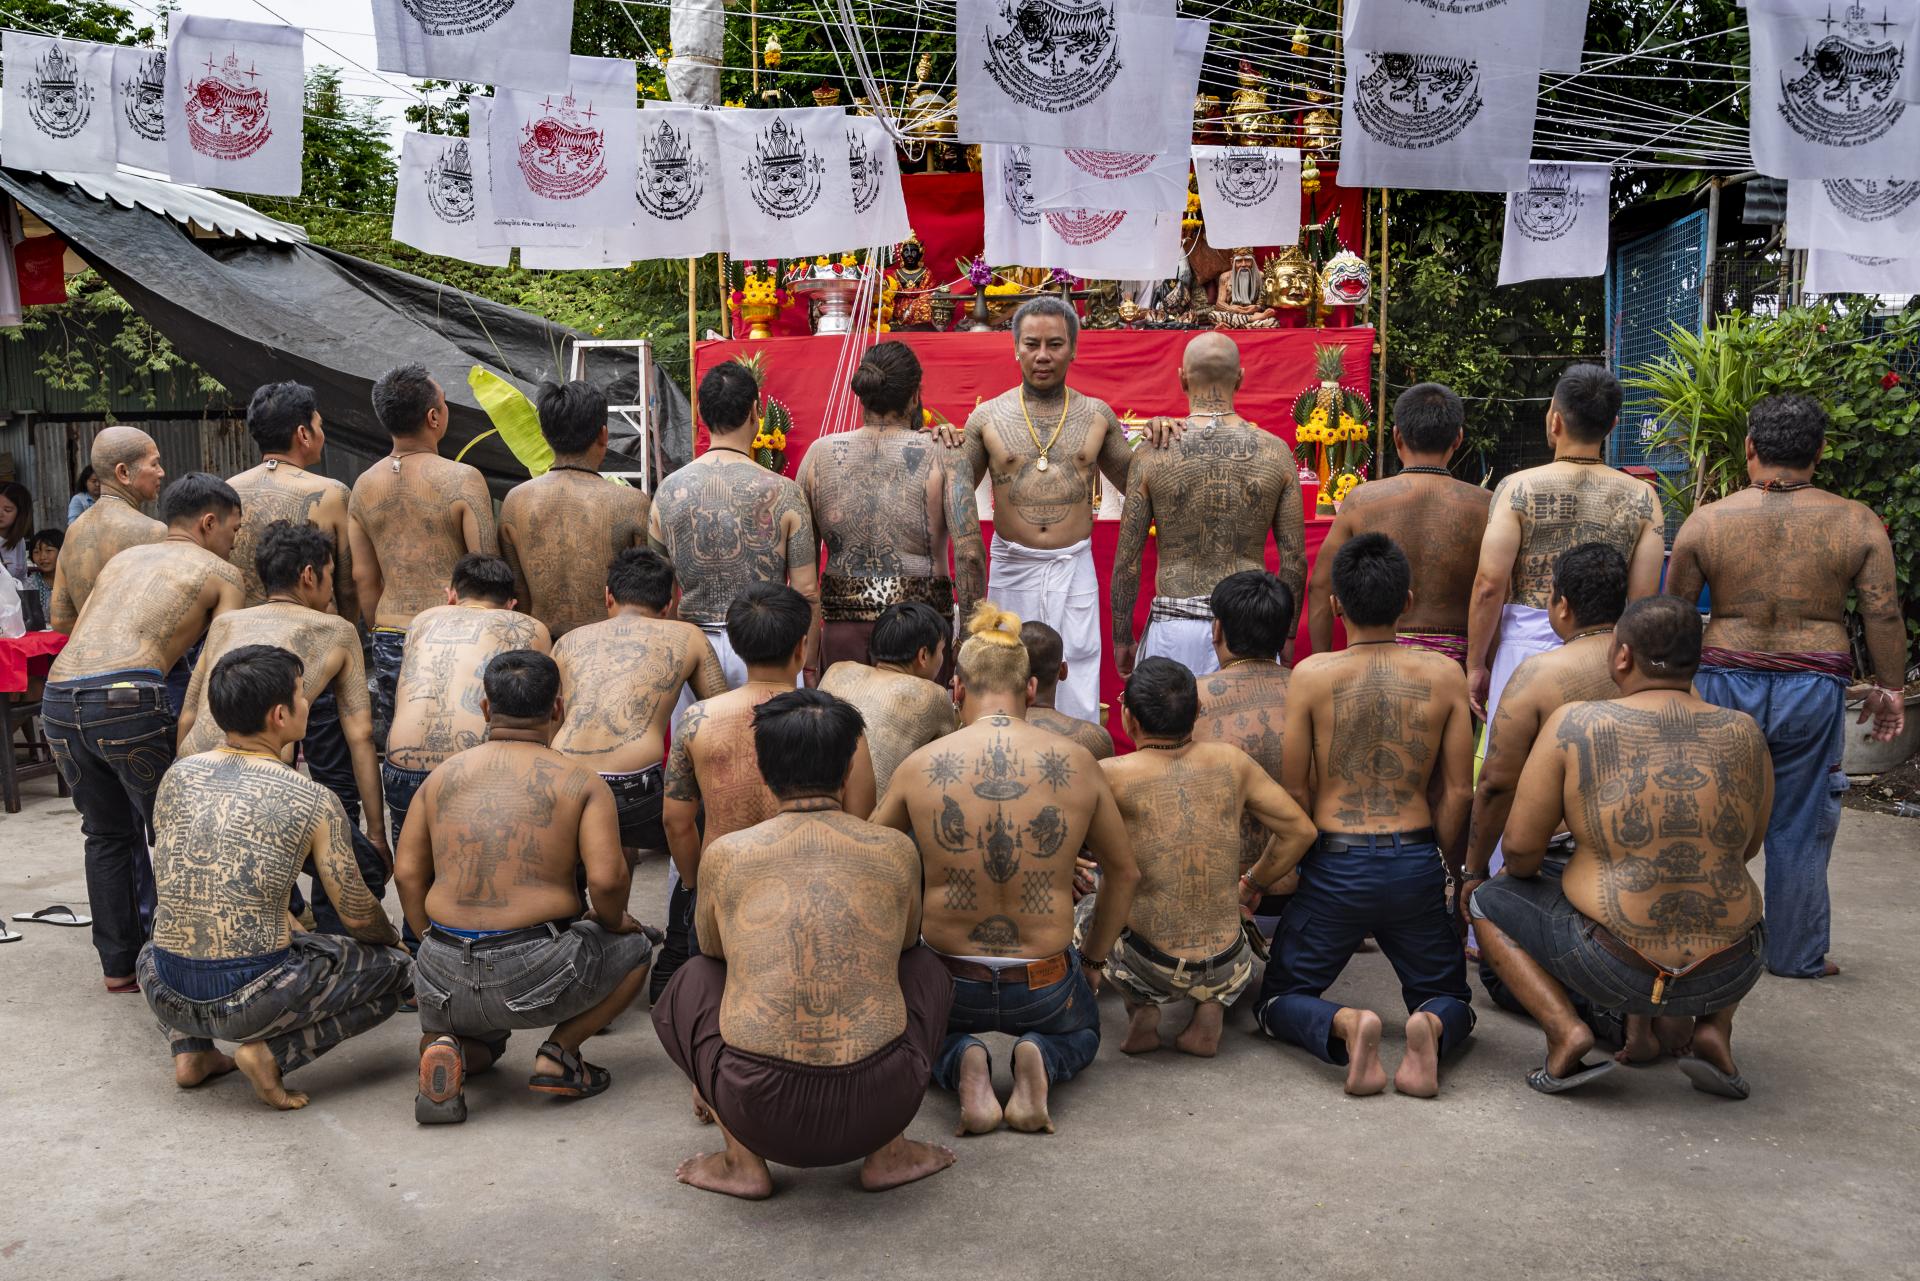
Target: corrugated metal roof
[193, 206]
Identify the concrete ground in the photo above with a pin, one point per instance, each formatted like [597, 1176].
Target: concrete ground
[1253, 1164]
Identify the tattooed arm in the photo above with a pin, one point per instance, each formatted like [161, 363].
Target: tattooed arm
[680, 803]
[1116, 456]
[1111, 848]
[973, 447]
[1513, 727]
[803, 568]
[413, 860]
[857, 798]
[892, 809]
[1685, 575]
[197, 689]
[706, 907]
[476, 514]
[1539, 803]
[334, 867]
[963, 531]
[1293, 832]
[1879, 603]
[346, 600]
[1492, 581]
[609, 883]
[1290, 538]
[367, 581]
[1320, 586]
[1650, 552]
[655, 538]
[62, 612]
[708, 677]
[1296, 750]
[1452, 778]
[510, 552]
[356, 726]
[1136, 517]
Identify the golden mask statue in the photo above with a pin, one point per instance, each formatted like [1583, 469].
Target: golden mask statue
[1248, 113]
[1321, 129]
[1288, 279]
[927, 114]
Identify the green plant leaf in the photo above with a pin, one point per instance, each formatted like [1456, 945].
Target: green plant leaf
[513, 417]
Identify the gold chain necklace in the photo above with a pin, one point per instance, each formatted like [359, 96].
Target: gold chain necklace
[1051, 440]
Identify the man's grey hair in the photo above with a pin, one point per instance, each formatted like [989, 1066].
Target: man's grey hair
[1048, 305]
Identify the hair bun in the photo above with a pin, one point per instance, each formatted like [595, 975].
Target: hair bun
[994, 625]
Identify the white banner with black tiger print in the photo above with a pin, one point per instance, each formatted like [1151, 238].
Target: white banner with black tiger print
[789, 186]
[1427, 120]
[1249, 195]
[1894, 15]
[1557, 226]
[140, 108]
[236, 92]
[566, 157]
[1106, 75]
[1827, 92]
[1081, 179]
[1879, 216]
[513, 44]
[1500, 30]
[1831, 272]
[56, 110]
[1095, 244]
[442, 199]
[873, 168]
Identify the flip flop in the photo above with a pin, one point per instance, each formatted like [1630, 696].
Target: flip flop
[9, 936]
[58, 914]
[131, 986]
[1709, 1079]
[1547, 1083]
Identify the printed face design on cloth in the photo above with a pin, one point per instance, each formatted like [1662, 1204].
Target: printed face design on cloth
[1246, 176]
[450, 184]
[1844, 95]
[227, 113]
[1417, 100]
[57, 102]
[1016, 184]
[784, 173]
[1547, 209]
[563, 153]
[456, 17]
[1872, 199]
[672, 178]
[144, 98]
[869, 170]
[1053, 55]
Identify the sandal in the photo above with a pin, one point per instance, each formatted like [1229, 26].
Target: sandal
[582, 1079]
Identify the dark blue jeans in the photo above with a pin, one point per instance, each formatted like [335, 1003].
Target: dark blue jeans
[681, 944]
[386, 646]
[400, 787]
[1803, 715]
[1396, 892]
[331, 764]
[113, 738]
[1060, 1018]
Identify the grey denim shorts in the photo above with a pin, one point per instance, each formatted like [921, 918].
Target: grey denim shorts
[479, 988]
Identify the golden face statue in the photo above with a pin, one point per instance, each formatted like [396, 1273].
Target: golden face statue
[1288, 279]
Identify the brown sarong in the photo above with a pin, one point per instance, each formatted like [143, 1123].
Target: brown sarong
[794, 1113]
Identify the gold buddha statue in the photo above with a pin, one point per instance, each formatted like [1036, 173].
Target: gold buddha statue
[928, 115]
[1321, 130]
[1288, 280]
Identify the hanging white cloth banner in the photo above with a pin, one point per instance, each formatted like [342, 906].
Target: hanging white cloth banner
[1078, 179]
[1565, 35]
[1825, 77]
[1557, 226]
[603, 250]
[1108, 75]
[235, 92]
[789, 188]
[565, 160]
[56, 110]
[693, 72]
[1832, 272]
[1249, 195]
[873, 169]
[140, 108]
[1104, 244]
[682, 204]
[1430, 121]
[1902, 16]
[513, 44]
[1879, 217]
[1513, 31]
[442, 199]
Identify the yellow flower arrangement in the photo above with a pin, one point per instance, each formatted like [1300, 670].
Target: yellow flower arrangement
[1344, 485]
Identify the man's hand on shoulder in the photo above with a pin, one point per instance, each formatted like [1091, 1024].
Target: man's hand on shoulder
[1161, 431]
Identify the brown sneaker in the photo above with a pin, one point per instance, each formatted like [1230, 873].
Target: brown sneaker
[442, 1074]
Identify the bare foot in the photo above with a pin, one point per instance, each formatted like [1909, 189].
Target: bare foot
[1143, 1030]
[1419, 1071]
[746, 1177]
[1567, 1046]
[979, 1106]
[255, 1062]
[701, 1112]
[1360, 1029]
[1674, 1035]
[190, 1070]
[1202, 1036]
[120, 985]
[1642, 1045]
[1027, 1105]
[903, 1161]
[1829, 970]
[1714, 1043]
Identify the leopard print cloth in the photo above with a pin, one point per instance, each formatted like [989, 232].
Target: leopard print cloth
[863, 600]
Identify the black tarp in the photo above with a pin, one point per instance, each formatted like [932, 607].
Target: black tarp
[250, 312]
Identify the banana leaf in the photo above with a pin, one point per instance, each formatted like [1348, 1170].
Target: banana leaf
[514, 419]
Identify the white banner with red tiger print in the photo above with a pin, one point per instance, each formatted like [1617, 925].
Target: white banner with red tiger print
[1105, 244]
[565, 159]
[234, 102]
[1075, 178]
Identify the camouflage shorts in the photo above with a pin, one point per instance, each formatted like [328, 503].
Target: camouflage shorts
[1146, 980]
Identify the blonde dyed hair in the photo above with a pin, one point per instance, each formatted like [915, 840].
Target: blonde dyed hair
[992, 658]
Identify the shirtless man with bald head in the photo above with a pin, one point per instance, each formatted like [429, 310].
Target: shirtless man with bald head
[1215, 495]
[1437, 520]
[1048, 669]
[999, 809]
[105, 707]
[127, 464]
[284, 421]
[412, 515]
[559, 530]
[620, 678]
[895, 693]
[294, 565]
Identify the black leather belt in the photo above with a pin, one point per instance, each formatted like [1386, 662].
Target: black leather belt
[1154, 954]
[548, 930]
[1342, 842]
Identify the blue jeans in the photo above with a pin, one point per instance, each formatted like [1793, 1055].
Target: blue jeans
[400, 787]
[1060, 1018]
[1396, 892]
[330, 762]
[113, 738]
[1803, 715]
[386, 647]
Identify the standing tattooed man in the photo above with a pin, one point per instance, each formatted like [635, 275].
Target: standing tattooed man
[1183, 803]
[558, 531]
[1215, 495]
[1779, 558]
[1436, 520]
[490, 873]
[294, 564]
[284, 421]
[998, 810]
[1539, 513]
[727, 523]
[887, 501]
[1373, 732]
[620, 678]
[439, 705]
[227, 960]
[127, 463]
[810, 1024]
[713, 784]
[1046, 447]
[1667, 798]
[897, 697]
[1048, 669]
[105, 707]
[412, 515]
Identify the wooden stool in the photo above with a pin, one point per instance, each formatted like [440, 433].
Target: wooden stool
[23, 716]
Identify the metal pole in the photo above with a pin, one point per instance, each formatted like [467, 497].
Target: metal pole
[1380, 406]
[1707, 290]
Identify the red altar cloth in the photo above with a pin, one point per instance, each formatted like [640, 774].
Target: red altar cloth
[1135, 372]
[22, 656]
